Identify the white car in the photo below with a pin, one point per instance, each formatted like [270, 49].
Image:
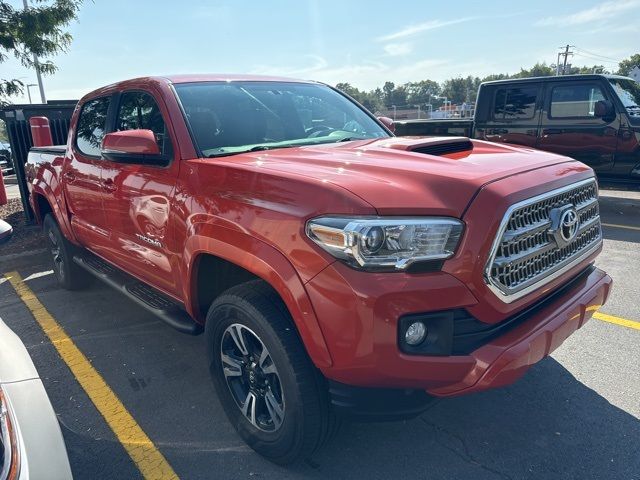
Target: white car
[31, 443]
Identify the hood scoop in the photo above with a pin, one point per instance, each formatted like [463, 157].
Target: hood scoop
[437, 146]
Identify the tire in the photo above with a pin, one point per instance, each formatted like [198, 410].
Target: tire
[69, 274]
[297, 387]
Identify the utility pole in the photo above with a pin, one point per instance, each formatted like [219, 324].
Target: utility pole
[564, 54]
[29, 90]
[37, 65]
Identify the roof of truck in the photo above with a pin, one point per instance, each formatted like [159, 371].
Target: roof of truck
[225, 77]
[562, 78]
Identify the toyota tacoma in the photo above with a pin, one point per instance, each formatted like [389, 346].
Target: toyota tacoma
[334, 268]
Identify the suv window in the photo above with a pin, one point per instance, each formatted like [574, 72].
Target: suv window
[575, 101]
[91, 126]
[515, 103]
[139, 110]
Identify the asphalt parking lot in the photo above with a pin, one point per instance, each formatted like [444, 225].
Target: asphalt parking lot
[574, 415]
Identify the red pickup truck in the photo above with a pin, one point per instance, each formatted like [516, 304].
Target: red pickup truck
[333, 267]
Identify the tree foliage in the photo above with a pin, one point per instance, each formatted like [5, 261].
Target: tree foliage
[372, 100]
[37, 30]
[627, 65]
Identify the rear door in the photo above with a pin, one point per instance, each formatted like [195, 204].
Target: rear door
[569, 126]
[137, 197]
[513, 114]
[81, 173]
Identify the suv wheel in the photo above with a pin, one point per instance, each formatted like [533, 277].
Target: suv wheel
[69, 275]
[270, 390]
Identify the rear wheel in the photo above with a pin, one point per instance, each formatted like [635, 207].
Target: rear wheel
[68, 273]
[270, 390]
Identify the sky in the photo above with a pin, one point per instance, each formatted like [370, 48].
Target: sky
[364, 43]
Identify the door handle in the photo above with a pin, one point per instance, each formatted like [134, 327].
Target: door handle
[552, 131]
[498, 131]
[109, 186]
[69, 176]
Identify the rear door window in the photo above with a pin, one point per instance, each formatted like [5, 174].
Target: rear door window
[515, 103]
[92, 125]
[575, 101]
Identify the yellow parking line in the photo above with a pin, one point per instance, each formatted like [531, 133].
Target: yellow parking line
[138, 445]
[616, 225]
[617, 320]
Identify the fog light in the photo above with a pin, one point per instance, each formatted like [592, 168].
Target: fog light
[415, 334]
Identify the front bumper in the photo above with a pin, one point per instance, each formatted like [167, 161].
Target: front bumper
[41, 449]
[359, 322]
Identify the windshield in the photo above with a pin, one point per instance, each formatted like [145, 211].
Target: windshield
[629, 93]
[235, 117]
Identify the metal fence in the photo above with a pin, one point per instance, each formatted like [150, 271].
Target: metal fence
[17, 118]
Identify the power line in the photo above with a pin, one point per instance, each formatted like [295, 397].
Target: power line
[596, 54]
[596, 58]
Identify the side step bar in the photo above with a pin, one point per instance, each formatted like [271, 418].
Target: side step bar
[147, 297]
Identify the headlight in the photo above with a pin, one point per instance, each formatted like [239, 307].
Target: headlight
[9, 453]
[391, 243]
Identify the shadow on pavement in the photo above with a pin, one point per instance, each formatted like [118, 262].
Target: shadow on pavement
[620, 211]
[549, 425]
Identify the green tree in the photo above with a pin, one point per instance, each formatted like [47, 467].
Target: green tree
[587, 69]
[538, 70]
[420, 93]
[37, 30]
[458, 90]
[625, 66]
[367, 99]
[3, 132]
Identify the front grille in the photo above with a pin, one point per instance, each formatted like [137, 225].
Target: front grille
[538, 239]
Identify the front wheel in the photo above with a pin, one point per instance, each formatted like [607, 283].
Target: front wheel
[270, 390]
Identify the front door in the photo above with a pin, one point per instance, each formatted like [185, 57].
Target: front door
[514, 115]
[81, 173]
[137, 198]
[570, 127]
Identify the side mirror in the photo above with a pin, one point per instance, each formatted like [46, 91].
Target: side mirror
[387, 122]
[603, 109]
[132, 146]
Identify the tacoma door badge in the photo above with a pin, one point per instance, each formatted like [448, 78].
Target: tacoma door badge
[152, 241]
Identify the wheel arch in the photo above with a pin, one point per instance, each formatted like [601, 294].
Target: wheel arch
[43, 201]
[217, 258]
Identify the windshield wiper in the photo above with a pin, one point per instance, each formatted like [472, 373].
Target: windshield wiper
[256, 148]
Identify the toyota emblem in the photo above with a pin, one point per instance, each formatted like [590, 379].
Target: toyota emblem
[565, 223]
[569, 224]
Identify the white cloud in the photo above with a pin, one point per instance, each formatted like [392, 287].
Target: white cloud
[398, 49]
[598, 13]
[421, 27]
[364, 74]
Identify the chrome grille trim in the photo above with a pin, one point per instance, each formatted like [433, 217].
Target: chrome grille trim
[523, 258]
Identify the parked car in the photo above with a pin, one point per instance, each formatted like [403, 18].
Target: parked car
[31, 443]
[592, 118]
[6, 165]
[336, 269]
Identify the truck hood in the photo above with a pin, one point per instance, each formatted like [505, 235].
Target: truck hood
[395, 179]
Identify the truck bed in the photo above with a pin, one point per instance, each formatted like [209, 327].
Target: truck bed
[56, 150]
[447, 127]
